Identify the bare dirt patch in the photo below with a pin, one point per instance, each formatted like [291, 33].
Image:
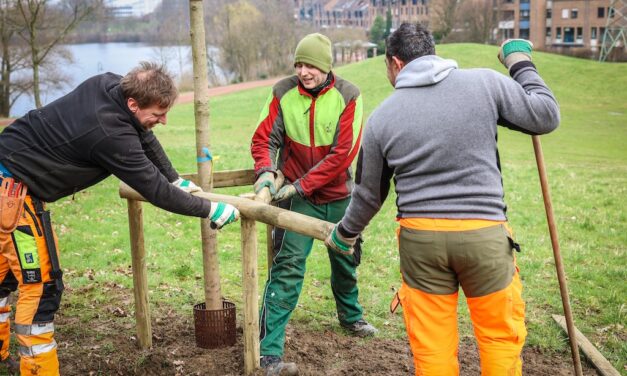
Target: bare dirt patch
[106, 345]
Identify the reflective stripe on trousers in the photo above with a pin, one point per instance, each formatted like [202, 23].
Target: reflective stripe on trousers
[35, 329]
[5, 310]
[37, 349]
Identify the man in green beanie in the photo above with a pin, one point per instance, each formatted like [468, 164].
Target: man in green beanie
[310, 129]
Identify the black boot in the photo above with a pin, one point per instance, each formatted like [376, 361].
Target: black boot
[274, 366]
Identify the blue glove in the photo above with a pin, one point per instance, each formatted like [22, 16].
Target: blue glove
[222, 214]
[339, 243]
[284, 193]
[513, 51]
[266, 179]
[186, 185]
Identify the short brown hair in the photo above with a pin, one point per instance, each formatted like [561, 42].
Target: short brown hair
[149, 84]
[409, 42]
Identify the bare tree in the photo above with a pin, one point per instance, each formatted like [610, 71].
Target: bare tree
[12, 59]
[444, 14]
[479, 20]
[45, 27]
[279, 35]
[241, 28]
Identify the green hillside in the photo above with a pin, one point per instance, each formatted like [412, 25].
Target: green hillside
[587, 166]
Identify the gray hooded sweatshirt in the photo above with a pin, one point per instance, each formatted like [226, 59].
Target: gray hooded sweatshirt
[436, 135]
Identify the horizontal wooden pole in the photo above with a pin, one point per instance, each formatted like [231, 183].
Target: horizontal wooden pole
[604, 367]
[229, 178]
[300, 223]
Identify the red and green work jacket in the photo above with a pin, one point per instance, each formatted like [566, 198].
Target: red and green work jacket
[313, 141]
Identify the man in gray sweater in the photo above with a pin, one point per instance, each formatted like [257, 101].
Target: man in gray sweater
[436, 135]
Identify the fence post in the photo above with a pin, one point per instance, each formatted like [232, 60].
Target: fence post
[140, 280]
[251, 292]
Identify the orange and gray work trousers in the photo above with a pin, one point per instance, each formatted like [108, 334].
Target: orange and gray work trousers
[25, 265]
[439, 255]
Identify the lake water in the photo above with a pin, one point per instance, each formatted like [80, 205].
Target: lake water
[96, 58]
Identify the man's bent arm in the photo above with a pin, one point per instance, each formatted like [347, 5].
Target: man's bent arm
[526, 104]
[372, 185]
[154, 151]
[268, 137]
[123, 156]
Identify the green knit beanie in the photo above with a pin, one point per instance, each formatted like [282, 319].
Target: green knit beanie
[315, 49]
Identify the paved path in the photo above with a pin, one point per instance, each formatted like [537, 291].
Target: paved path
[188, 97]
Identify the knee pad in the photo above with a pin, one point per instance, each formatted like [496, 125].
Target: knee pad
[49, 303]
[8, 285]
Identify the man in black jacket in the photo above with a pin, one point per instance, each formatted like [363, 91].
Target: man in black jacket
[101, 128]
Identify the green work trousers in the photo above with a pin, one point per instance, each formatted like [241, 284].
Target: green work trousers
[285, 281]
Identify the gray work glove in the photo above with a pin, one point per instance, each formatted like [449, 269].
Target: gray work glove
[287, 191]
[221, 214]
[266, 179]
[340, 243]
[513, 51]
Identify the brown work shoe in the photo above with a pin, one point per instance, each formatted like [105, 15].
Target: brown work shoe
[274, 366]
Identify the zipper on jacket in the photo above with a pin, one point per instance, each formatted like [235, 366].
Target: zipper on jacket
[312, 110]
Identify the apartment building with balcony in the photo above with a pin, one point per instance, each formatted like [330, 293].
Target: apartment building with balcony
[412, 11]
[566, 26]
[333, 13]
[360, 13]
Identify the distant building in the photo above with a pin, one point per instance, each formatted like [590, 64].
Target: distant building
[412, 11]
[564, 26]
[559, 25]
[359, 13]
[131, 8]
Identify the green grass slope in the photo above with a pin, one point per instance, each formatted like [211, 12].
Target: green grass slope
[587, 166]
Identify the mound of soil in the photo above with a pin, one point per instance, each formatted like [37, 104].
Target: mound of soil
[107, 346]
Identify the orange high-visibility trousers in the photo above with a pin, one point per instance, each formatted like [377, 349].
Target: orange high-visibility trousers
[25, 266]
[431, 324]
[435, 262]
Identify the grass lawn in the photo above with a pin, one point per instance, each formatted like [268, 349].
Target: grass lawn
[587, 166]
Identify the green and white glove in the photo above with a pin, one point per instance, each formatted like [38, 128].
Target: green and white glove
[266, 179]
[513, 51]
[186, 185]
[339, 243]
[284, 193]
[222, 214]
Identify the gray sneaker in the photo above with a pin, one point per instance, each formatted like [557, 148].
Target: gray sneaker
[360, 328]
[274, 366]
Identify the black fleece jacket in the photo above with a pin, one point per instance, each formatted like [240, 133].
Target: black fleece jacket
[85, 136]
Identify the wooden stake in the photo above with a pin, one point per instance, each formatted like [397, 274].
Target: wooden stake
[604, 367]
[251, 292]
[559, 266]
[266, 197]
[259, 211]
[140, 280]
[228, 178]
[211, 269]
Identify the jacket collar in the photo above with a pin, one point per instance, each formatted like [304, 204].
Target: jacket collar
[116, 94]
[329, 86]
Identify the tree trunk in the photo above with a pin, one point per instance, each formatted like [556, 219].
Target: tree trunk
[211, 269]
[5, 84]
[36, 90]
